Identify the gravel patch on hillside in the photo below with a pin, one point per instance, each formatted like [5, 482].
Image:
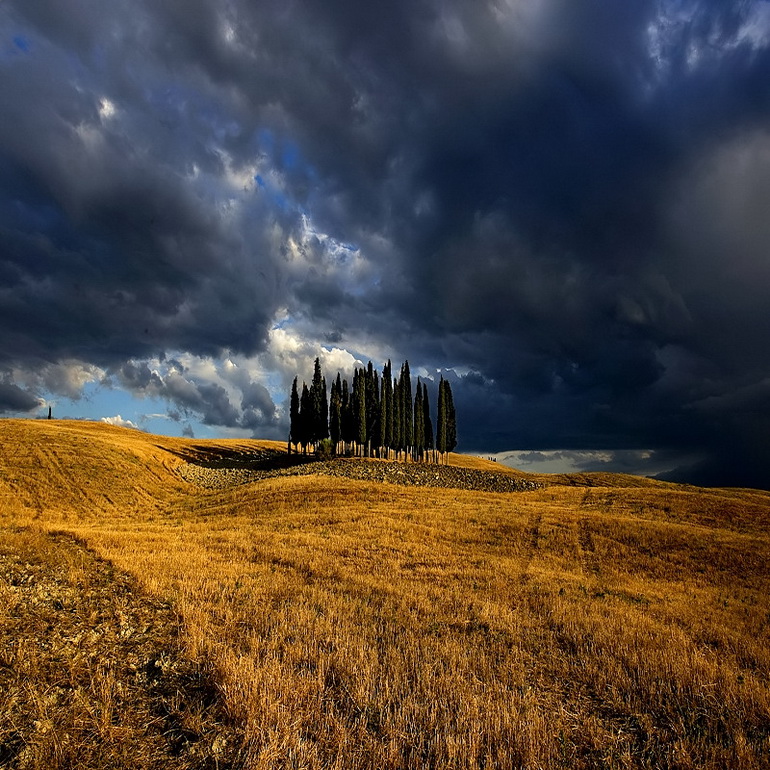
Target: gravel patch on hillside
[405, 474]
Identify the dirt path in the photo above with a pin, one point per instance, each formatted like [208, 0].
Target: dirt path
[91, 674]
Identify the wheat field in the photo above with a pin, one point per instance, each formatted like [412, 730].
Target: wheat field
[599, 621]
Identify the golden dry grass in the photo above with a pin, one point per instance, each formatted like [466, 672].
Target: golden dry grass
[622, 624]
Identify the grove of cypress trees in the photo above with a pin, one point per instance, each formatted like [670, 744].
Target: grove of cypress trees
[377, 415]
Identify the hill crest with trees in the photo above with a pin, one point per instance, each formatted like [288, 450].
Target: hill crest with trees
[374, 416]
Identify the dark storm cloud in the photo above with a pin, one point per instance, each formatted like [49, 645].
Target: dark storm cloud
[14, 399]
[563, 201]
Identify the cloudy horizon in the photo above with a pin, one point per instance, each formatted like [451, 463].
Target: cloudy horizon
[559, 206]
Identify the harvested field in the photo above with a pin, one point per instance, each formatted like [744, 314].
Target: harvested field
[92, 670]
[343, 621]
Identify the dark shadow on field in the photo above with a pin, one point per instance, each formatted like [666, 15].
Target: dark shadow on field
[254, 459]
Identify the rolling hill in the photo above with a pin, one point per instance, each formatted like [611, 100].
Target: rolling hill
[270, 614]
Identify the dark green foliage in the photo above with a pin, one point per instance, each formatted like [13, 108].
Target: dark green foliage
[419, 423]
[335, 412]
[359, 401]
[386, 406]
[407, 416]
[372, 396]
[294, 429]
[451, 422]
[427, 424]
[375, 414]
[348, 422]
[319, 406]
[305, 418]
[398, 424]
[441, 418]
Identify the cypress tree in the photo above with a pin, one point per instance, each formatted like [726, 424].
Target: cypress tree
[398, 423]
[451, 420]
[320, 406]
[335, 413]
[306, 414]
[427, 424]
[359, 398]
[407, 416]
[323, 423]
[348, 431]
[371, 382]
[386, 408]
[419, 423]
[294, 429]
[441, 418]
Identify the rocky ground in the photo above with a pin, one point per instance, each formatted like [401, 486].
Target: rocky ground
[221, 475]
[91, 673]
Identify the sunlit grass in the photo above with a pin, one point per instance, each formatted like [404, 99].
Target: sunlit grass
[354, 624]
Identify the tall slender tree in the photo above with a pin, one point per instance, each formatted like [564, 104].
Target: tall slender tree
[320, 406]
[419, 424]
[294, 428]
[407, 417]
[427, 424]
[306, 414]
[359, 398]
[335, 413]
[398, 423]
[386, 410]
[372, 381]
[348, 423]
[451, 420]
[441, 419]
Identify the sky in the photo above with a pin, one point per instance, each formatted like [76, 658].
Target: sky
[560, 206]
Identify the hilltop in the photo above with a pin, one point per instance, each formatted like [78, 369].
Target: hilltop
[187, 603]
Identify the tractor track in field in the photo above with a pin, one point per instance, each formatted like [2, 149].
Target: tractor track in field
[91, 668]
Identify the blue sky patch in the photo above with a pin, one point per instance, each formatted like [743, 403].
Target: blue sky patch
[22, 43]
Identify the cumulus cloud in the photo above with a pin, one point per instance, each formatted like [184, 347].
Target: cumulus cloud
[119, 422]
[218, 393]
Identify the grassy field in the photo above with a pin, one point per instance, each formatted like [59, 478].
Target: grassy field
[600, 621]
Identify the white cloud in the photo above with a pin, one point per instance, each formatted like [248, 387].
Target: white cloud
[119, 422]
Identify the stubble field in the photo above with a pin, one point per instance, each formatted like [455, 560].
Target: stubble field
[317, 621]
